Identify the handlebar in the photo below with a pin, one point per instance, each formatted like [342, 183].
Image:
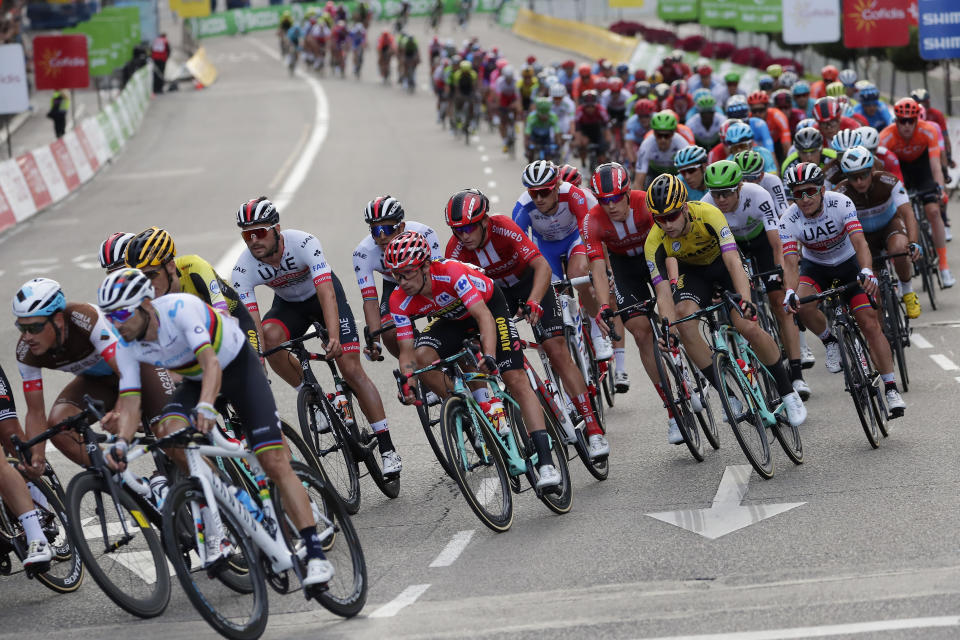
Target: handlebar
[829, 293]
[572, 282]
[776, 271]
[318, 331]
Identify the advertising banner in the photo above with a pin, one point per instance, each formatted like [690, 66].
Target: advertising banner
[810, 21]
[719, 13]
[84, 162]
[677, 10]
[65, 164]
[60, 62]
[939, 29]
[148, 17]
[16, 190]
[193, 8]
[47, 165]
[875, 23]
[760, 15]
[13, 79]
[31, 173]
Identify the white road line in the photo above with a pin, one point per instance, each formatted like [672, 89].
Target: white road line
[481, 148]
[494, 199]
[152, 175]
[406, 597]
[453, 549]
[920, 341]
[826, 630]
[484, 158]
[39, 261]
[957, 378]
[290, 159]
[487, 170]
[492, 184]
[283, 198]
[944, 362]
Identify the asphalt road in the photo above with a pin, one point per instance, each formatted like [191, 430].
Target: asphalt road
[874, 539]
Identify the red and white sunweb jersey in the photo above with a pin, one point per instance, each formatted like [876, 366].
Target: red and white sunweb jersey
[825, 238]
[625, 238]
[506, 256]
[302, 267]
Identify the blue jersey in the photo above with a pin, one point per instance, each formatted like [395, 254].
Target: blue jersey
[769, 161]
[881, 119]
[294, 34]
[761, 133]
[633, 130]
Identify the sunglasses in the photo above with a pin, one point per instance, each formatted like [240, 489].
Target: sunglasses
[663, 136]
[377, 230]
[690, 170]
[758, 110]
[466, 229]
[33, 328]
[119, 316]
[723, 193]
[860, 175]
[906, 120]
[250, 235]
[806, 194]
[611, 199]
[668, 217]
[402, 276]
[540, 194]
[152, 275]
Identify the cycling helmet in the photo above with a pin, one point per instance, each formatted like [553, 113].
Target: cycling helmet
[738, 132]
[836, 89]
[39, 297]
[765, 83]
[542, 105]
[501, 63]
[150, 248]
[724, 174]
[666, 193]
[383, 209]
[409, 249]
[826, 109]
[258, 211]
[787, 79]
[689, 156]
[920, 95]
[113, 251]
[601, 85]
[704, 68]
[507, 72]
[751, 164]
[775, 70]
[661, 90]
[589, 96]
[869, 94]
[663, 121]
[541, 174]
[568, 64]
[642, 88]
[829, 73]
[622, 69]
[466, 207]
[782, 99]
[845, 139]
[124, 289]
[706, 102]
[856, 159]
[569, 173]
[583, 70]
[531, 59]
[803, 124]
[645, 107]
[737, 110]
[869, 138]
[800, 88]
[732, 78]
[848, 77]
[906, 108]
[466, 65]
[678, 87]
[558, 91]
[803, 173]
[610, 179]
[616, 85]
[758, 97]
[808, 139]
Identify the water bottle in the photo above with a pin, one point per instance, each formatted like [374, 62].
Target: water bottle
[746, 371]
[244, 498]
[340, 402]
[322, 425]
[499, 417]
[159, 488]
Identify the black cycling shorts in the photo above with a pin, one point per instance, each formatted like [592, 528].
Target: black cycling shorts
[822, 277]
[918, 178]
[551, 322]
[593, 131]
[446, 336]
[297, 317]
[244, 385]
[762, 253]
[8, 408]
[631, 281]
[697, 283]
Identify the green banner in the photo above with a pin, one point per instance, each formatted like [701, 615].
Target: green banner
[719, 13]
[107, 127]
[760, 15]
[678, 10]
[130, 14]
[105, 41]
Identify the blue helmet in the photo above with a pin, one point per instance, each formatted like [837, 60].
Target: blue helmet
[738, 110]
[38, 297]
[689, 156]
[803, 124]
[738, 132]
[801, 88]
[869, 94]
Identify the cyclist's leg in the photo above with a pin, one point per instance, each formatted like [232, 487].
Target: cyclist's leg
[762, 252]
[286, 320]
[13, 488]
[896, 241]
[70, 402]
[9, 424]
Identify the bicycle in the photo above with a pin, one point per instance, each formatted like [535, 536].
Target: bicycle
[927, 266]
[329, 425]
[463, 118]
[486, 464]
[463, 14]
[860, 377]
[765, 316]
[262, 532]
[893, 317]
[748, 391]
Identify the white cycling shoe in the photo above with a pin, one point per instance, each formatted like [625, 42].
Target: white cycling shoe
[602, 347]
[801, 387]
[673, 433]
[599, 447]
[549, 477]
[39, 552]
[621, 381]
[895, 404]
[796, 412]
[391, 463]
[319, 571]
[832, 359]
[947, 279]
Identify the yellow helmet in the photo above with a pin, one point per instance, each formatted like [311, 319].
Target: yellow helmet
[150, 248]
[665, 194]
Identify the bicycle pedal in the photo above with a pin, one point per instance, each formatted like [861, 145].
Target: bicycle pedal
[5, 564]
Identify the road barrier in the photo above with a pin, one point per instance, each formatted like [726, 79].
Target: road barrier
[587, 40]
[46, 175]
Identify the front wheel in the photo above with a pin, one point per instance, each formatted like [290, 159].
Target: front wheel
[676, 390]
[740, 408]
[558, 499]
[429, 415]
[66, 569]
[325, 434]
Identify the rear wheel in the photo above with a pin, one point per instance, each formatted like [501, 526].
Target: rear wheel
[706, 417]
[856, 371]
[740, 409]
[66, 568]
[430, 421]
[366, 443]
[676, 398]
[558, 499]
[787, 435]
[326, 435]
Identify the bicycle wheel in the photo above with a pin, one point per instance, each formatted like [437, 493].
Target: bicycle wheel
[787, 435]
[130, 567]
[560, 499]
[327, 440]
[608, 370]
[299, 449]
[346, 593]
[241, 616]
[873, 385]
[855, 371]
[897, 322]
[927, 265]
[477, 464]
[740, 408]
[430, 421]
[702, 390]
[675, 394]
[590, 366]
[366, 444]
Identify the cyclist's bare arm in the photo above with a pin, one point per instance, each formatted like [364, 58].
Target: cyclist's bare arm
[739, 276]
[331, 316]
[905, 212]
[936, 169]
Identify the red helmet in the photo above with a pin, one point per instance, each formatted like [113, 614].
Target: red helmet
[502, 62]
[678, 88]
[584, 70]
[704, 69]
[569, 173]
[601, 85]
[645, 107]
[531, 59]
[616, 85]
[466, 207]
[906, 108]
[409, 249]
[589, 96]
[758, 97]
[829, 73]
[826, 109]
[782, 99]
[640, 74]
[610, 179]
[568, 64]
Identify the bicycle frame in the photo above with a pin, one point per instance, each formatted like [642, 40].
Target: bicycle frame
[549, 391]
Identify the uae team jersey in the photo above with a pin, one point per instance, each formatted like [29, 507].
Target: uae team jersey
[625, 238]
[302, 267]
[506, 256]
[455, 287]
[368, 258]
[825, 237]
[572, 206]
[754, 214]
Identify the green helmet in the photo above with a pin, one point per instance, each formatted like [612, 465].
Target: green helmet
[775, 70]
[836, 89]
[663, 121]
[750, 162]
[724, 174]
[543, 106]
[465, 65]
[706, 102]
[287, 14]
[731, 77]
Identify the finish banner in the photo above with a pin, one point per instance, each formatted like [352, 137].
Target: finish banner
[678, 10]
[875, 23]
[810, 21]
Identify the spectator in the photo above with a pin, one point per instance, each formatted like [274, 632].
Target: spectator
[160, 52]
[59, 105]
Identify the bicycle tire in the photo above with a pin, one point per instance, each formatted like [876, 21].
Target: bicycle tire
[607, 379]
[430, 421]
[65, 574]
[787, 435]
[146, 601]
[752, 438]
[898, 328]
[928, 264]
[344, 598]
[561, 502]
[590, 366]
[705, 417]
[672, 389]
[857, 383]
[299, 450]
[181, 495]
[875, 402]
[330, 446]
[365, 442]
[460, 443]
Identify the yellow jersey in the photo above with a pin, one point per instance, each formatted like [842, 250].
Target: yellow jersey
[198, 278]
[708, 238]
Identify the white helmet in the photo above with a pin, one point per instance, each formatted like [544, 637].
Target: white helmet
[856, 159]
[507, 71]
[38, 297]
[558, 91]
[869, 138]
[124, 289]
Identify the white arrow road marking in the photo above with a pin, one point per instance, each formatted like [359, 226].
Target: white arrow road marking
[139, 563]
[726, 514]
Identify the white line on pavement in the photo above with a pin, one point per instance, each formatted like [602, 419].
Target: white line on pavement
[453, 549]
[484, 158]
[920, 341]
[826, 630]
[944, 362]
[481, 148]
[152, 175]
[487, 170]
[298, 173]
[492, 184]
[406, 597]
[957, 378]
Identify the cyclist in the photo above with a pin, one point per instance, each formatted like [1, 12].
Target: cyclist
[385, 217]
[614, 100]
[808, 144]
[819, 88]
[358, 43]
[316, 37]
[74, 338]
[508, 104]
[696, 236]
[731, 82]
[305, 290]
[563, 107]
[286, 21]
[113, 251]
[153, 252]
[830, 118]
[464, 84]
[886, 216]
[738, 109]
[385, 50]
[739, 137]
[801, 98]
[527, 86]
[585, 80]
[706, 122]
[655, 155]
[187, 336]
[751, 166]
[784, 101]
[408, 57]
[752, 218]
[917, 146]
[638, 126]
[845, 139]
[542, 131]
[777, 123]
[875, 110]
[339, 41]
[591, 126]
[870, 138]
[690, 163]
[922, 97]
[463, 302]
[825, 225]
